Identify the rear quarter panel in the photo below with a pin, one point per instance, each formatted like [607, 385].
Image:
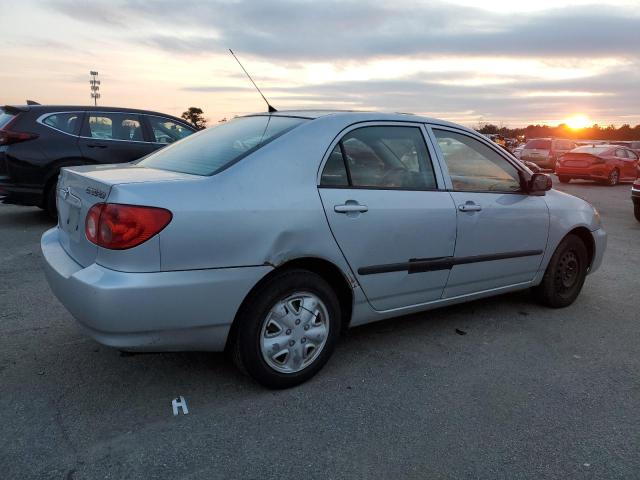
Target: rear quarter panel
[263, 210]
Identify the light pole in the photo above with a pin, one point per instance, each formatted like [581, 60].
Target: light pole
[95, 87]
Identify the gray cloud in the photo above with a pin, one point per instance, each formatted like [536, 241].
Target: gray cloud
[289, 32]
[303, 30]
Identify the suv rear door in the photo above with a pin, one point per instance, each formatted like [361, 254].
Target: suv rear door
[113, 137]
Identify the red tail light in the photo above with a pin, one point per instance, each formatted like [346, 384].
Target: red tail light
[118, 227]
[7, 137]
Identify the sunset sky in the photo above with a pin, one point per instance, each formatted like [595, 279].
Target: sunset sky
[508, 62]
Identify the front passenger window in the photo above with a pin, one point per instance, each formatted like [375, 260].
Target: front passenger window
[473, 166]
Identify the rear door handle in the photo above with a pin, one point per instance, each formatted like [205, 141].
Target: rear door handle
[96, 145]
[351, 207]
[469, 206]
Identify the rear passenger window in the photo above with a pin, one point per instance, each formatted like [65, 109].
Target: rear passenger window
[167, 131]
[387, 157]
[115, 126]
[632, 155]
[473, 166]
[65, 122]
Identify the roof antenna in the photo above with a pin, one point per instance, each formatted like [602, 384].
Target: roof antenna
[271, 109]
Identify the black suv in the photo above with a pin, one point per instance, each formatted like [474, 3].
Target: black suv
[37, 140]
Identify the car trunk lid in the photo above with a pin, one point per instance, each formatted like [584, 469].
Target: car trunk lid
[79, 188]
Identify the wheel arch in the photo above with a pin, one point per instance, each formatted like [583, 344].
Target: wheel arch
[330, 272]
[585, 235]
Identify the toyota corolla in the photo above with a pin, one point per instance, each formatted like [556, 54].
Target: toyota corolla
[270, 234]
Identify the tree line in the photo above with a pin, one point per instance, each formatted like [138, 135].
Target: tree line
[595, 132]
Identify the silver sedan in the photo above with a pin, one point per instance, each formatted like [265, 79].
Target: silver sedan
[270, 234]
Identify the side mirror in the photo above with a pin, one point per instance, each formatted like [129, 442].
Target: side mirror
[539, 183]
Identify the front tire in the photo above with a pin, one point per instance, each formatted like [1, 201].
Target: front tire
[636, 210]
[614, 178]
[565, 274]
[287, 329]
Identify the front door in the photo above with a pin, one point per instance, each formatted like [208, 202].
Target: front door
[395, 227]
[502, 231]
[113, 137]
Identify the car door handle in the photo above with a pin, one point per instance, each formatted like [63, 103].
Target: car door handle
[469, 207]
[96, 145]
[351, 207]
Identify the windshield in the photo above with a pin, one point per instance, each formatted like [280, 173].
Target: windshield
[214, 149]
[538, 144]
[5, 117]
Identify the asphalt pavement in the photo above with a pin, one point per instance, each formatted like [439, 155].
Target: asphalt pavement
[494, 389]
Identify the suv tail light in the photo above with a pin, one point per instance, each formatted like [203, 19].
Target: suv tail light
[7, 136]
[118, 227]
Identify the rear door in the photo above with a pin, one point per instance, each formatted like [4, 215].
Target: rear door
[502, 231]
[387, 208]
[113, 137]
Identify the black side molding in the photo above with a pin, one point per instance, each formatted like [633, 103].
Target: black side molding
[419, 265]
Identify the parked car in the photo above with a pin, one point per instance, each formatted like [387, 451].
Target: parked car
[545, 152]
[517, 151]
[271, 233]
[608, 164]
[36, 141]
[635, 198]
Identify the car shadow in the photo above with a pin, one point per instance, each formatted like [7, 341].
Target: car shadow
[17, 216]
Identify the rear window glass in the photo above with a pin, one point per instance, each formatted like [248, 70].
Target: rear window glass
[538, 144]
[592, 150]
[66, 122]
[5, 117]
[211, 150]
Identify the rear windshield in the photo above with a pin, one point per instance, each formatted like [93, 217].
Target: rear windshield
[590, 149]
[212, 150]
[5, 117]
[538, 144]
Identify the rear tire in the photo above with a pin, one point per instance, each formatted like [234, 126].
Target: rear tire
[565, 274]
[636, 210]
[287, 330]
[564, 179]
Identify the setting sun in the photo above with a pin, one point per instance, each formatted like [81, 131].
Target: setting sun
[576, 122]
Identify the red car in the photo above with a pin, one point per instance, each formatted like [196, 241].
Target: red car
[610, 164]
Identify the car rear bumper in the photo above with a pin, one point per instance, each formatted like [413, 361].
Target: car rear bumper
[600, 244]
[597, 172]
[155, 311]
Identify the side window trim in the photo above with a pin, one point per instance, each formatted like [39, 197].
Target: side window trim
[449, 184]
[85, 133]
[44, 116]
[438, 174]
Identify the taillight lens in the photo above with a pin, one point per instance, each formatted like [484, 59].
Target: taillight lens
[7, 137]
[118, 227]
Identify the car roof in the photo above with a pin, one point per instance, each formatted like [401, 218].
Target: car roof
[357, 115]
[86, 108]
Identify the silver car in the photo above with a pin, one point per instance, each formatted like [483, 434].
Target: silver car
[270, 234]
